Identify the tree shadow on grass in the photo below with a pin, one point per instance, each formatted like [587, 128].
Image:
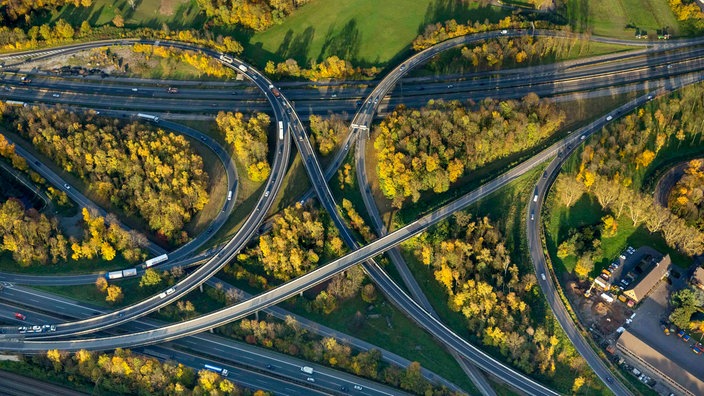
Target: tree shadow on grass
[444, 10]
[75, 16]
[344, 44]
[578, 15]
[297, 46]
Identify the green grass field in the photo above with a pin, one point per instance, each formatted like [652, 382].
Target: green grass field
[610, 17]
[178, 14]
[587, 211]
[399, 335]
[365, 32]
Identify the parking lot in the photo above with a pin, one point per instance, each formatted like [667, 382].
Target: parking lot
[646, 326]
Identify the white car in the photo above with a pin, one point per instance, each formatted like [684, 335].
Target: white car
[310, 379]
[170, 291]
[56, 95]
[66, 186]
[504, 31]
[358, 387]
[609, 118]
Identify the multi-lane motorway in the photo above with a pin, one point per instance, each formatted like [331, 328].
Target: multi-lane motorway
[266, 369]
[324, 273]
[214, 263]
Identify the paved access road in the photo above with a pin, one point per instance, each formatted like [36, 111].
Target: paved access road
[535, 242]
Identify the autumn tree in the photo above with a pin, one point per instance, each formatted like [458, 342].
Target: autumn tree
[431, 148]
[326, 132]
[148, 172]
[118, 21]
[150, 278]
[249, 139]
[585, 265]
[369, 293]
[294, 245]
[568, 189]
[114, 294]
[30, 236]
[346, 285]
[101, 284]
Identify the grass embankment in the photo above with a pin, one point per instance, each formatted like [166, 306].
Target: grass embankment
[178, 14]
[610, 17]
[579, 112]
[452, 61]
[133, 293]
[72, 267]
[365, 32]
[217, 189]
[387, 327]
[507, 209]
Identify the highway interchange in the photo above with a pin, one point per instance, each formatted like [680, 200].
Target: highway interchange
[363, 118]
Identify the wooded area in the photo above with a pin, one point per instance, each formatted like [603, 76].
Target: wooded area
[153, 174]
[432, 147]
[331, 67]
[31, 237]
[290, 338]
[688, 12]
[687, 196]
[296, 242]
[614, 165]
[438, 32]
[325, 132]
[252, 14]
[470, 260]
[22, 9]
[204, 64]
[248, 136]
[122, 372]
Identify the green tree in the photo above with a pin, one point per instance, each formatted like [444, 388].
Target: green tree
[150, 278]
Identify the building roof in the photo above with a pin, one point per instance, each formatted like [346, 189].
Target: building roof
[645, 357]
[645, 283]
[698, 278]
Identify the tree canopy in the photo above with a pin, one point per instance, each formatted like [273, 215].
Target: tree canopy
[150, 173]
[249, 139]
[470, 260]
[432, 147]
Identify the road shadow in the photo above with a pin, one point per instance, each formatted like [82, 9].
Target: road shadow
[344, 44]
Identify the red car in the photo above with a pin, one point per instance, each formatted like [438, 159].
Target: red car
[20, 316]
